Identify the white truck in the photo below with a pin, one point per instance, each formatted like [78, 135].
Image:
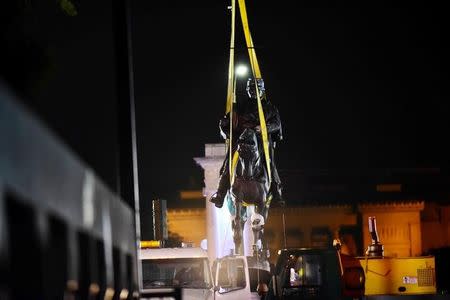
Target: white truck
[185, 273]
[168, 270]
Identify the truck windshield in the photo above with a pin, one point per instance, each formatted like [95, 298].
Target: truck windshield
[176, 272]
[304, 270]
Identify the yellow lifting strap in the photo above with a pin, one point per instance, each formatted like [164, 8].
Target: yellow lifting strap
[231, 89]
[233, 165]
[248, 39]
[256, 74]
[231, 92]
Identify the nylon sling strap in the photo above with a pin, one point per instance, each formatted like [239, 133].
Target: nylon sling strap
[248, 40]
[230, 87]
[230, 92]
[233, 165]
[256, 74]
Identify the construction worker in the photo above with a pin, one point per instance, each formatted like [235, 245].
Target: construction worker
[245, 115]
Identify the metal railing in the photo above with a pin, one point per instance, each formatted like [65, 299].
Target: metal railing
[63, 234]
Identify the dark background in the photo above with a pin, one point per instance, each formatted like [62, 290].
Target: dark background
[362, 86]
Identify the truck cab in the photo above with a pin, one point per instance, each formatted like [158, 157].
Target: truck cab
[236, 277]
[168, 270]
[305, 273]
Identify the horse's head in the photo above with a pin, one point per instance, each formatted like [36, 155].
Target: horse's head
[248, 153]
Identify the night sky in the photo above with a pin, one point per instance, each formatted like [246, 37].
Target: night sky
[356, 86]
[363, 85]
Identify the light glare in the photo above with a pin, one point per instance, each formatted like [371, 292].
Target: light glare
[241, 70]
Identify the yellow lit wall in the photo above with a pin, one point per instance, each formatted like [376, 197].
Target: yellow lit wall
[398, 226]
[303, 220]
[190, 224]
[435, 226]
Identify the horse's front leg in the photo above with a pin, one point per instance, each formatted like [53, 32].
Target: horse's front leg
[238, 228]
[262, 210]
[257, 222]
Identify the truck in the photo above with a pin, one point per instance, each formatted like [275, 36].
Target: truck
[299, 273]
[182, 273]
[240, 277]
[308, 273]
[399, 277]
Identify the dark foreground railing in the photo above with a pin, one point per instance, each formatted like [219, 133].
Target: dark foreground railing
[63, 234]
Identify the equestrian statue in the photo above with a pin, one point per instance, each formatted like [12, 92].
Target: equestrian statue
[250, 183]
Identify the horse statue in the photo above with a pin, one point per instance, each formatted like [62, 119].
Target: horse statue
[249, 187]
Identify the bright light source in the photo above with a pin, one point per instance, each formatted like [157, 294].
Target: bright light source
[241, 70]
[204, 244]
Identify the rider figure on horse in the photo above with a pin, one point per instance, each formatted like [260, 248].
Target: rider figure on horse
[245, 115]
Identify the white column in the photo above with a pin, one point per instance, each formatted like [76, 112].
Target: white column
[218, 220]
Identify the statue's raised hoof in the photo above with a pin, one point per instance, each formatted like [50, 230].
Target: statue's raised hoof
[217, 199]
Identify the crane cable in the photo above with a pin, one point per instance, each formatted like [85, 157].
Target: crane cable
[231, 89]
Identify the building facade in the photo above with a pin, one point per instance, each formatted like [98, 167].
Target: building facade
[407, 226]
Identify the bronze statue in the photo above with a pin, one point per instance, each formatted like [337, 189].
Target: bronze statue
[245, 115]
[250, 179]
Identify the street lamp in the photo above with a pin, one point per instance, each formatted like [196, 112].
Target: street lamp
[240, 71]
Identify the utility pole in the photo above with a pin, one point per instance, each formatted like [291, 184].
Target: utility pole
[128, 184]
